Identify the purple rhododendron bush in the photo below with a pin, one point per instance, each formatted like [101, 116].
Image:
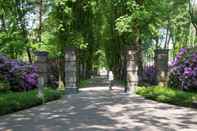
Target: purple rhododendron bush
[183, 71]
[21, 76]
[149, 75]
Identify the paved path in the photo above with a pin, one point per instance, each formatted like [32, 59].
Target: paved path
[97, 109]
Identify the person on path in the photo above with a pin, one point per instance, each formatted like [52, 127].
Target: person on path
[111, 78]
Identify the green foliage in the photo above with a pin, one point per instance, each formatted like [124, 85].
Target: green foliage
[4, 86]
[123, 24]
[100, 29]
[14, 32]
[168, 95]
[84, 83]
[15, 101]
[12, 43]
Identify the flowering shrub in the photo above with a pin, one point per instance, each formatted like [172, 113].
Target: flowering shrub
[21, 76]
[183, 72]
[149, 75]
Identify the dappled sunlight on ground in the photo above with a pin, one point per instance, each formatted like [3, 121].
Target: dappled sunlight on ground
[102, 110]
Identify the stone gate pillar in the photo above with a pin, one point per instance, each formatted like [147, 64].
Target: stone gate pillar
[132, 71]
[71, 71]
[41, 62]
[161, 64]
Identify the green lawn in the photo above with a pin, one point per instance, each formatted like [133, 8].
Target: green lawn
[168, 95]
[15, 101]
[84, 83]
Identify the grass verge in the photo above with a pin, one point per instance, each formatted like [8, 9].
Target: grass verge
[15, 101]
[84, 83]
[168, 95]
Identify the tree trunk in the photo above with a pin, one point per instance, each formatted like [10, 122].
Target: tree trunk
[137, 45]
[29, 54]
[167, 40]
[139, 60]
[40, 21]
[3, 26]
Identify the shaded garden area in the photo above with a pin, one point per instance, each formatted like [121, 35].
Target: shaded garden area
[51, 48]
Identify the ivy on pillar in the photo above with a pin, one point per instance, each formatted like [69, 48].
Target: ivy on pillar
[161, 64]
[132, 71]
[71, 73]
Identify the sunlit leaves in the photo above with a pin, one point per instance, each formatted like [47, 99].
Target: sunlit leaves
[77, 40]
[123, 24]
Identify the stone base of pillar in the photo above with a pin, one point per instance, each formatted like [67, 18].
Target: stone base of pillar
[71, 90]
[71, 71]
[132, 71]
[132, 87]
[41, 63]
[163, 84]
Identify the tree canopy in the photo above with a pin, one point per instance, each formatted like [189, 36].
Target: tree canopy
[101, 30]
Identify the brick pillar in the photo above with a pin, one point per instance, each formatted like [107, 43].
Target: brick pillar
[132, 71]
[71, 71]
[161, 64]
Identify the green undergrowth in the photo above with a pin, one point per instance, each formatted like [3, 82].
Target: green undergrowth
[168, 95]
[84, 83]
[15, 101]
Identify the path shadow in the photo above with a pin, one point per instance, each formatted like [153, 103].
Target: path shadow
[102, 111]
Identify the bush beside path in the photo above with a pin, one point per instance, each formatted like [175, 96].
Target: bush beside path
[98, 109]
[15, 101]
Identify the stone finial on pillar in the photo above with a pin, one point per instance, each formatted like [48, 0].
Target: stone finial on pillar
[161, 64]
[70, 71]
[132, 71]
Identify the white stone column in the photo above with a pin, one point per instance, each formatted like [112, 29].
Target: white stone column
[132, 71]
[161, 64]
[41, 63]
[70, 71]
